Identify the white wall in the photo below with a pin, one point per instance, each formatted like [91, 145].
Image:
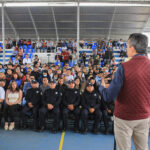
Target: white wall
[46, 57]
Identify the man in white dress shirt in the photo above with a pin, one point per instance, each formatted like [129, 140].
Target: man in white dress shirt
[27, 60]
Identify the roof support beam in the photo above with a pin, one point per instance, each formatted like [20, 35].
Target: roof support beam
[3, 31]
[93, 14]
[78, 29]
[146, 24]
[88, 21]
[109, 31]
[11, 24]
[34, 25]
[55, 24]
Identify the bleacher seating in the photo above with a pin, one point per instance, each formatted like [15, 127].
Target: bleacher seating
[116, 52]
[8, 54]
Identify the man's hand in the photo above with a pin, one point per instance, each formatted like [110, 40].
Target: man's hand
[91, 110]
[30, 105]
[109, 111]
[50, 106]
[10, 104]
[71, 107]
[1, 100]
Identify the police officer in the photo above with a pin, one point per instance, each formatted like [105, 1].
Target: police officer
[90, 105]
[51, 101]
[33, 102]
[71, 101]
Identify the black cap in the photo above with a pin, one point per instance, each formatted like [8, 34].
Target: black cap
[34, 82]
[101, 72]
[52, 81]
[70, 81]
[89, 84]
[2, 80]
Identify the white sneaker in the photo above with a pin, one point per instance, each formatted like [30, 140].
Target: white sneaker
[11, 126]
[6, 126]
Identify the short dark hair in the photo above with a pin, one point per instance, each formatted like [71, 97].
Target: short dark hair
[139, 41]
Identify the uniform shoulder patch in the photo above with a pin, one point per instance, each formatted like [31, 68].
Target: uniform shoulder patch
[76, 92]
[95, 94]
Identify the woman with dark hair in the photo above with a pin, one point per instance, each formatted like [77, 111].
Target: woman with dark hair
[77, 83]
[92, 80]
[21, 76]
[16, 78]
[13, 99]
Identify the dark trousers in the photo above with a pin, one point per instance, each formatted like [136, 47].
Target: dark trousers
[9, 112]
[66, 112]
[34, 112]
[104, 115]
[85, 114]
[42, 116]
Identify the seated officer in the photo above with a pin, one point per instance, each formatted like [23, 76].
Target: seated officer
[51, 101]
[33, 99]
[90, 105]
[71, 101]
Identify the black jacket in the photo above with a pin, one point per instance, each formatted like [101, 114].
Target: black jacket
[71, 96]
[62, 88]
[33, 96]
[52, 96]
[90, 100]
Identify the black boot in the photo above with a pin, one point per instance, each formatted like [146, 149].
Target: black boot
[41, 129]
[84, 130]
[54, 130]
[95, 130]
[106, 131]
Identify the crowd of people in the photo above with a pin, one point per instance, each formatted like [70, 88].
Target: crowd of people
[66, 51]
[26, 85]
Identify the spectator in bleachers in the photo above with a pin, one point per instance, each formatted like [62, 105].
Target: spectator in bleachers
[27, 85]
[3, 84]
[16, 78]
[27, 60]
[39, 45]
[36, 73]
[2, 69]
[2, 98]
[13, 99]
[74, 58]
[50, 74]
[61, 86]
[83, 58]
[65, 56]
[81, 43]
[8, 76]
[45, 85]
